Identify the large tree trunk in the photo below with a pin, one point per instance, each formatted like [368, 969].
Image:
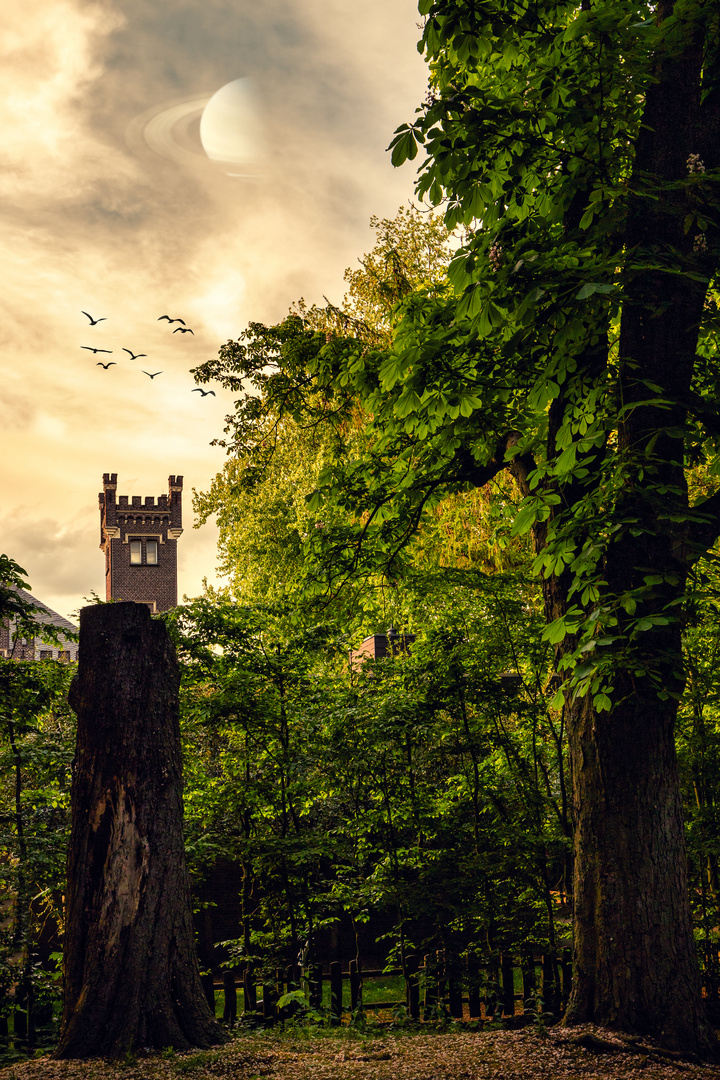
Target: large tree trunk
[635, 958]
[131, 969]
[635, 961]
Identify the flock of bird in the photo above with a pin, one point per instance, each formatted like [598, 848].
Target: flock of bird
[183, 329]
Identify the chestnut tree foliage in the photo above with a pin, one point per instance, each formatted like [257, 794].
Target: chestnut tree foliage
[572, 348]
[414, 796]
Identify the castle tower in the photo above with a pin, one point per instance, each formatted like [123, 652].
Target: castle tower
[140, 544]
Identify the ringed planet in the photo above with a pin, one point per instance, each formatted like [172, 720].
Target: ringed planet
[224, 128]
[230, 128]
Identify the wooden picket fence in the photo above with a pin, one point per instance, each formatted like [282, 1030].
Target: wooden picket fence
[435, 985]
[24, 1021]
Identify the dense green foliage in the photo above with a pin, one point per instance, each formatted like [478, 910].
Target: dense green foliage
[413, 787]
[570, 346]
[505, 443]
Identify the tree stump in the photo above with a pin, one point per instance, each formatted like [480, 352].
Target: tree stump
[131, 971]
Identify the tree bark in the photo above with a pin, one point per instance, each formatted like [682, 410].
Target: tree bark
[635, 964]
[131, 970]
[635, 967]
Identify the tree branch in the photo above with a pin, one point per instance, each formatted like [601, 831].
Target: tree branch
[479, 475]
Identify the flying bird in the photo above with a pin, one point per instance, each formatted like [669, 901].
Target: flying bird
[90, 349]
[204, 393]
[134, 356]
[106, 366]
[94, 322]
[151, 376]
[171, 320]
[180, 330]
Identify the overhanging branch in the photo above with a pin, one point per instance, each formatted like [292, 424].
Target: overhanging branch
[520, 466]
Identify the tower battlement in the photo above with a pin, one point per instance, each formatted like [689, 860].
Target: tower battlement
[139, 538]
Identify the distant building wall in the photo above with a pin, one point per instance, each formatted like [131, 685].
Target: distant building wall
[378, 646]
[139, 539]
[14, 647]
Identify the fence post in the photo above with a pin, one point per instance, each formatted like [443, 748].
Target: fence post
[24, 1021]
[20, 1025]
[30, 999]
[431, 986]
[566, 975]
[249, 990]
[355, 985]
[707, 979]
[550, 987]
[528, 978]
[508, 984]
[473, 971]
[315, 981]
[268, 1002]
[42, 1014]
[230, 1006]
[442, 981]
[492, 990]
[335, 993]
[292, 977]
[208, 985]
[292, 982]
[412, 986]
[454, 984]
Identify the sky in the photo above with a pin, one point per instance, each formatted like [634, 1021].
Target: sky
[109, 205]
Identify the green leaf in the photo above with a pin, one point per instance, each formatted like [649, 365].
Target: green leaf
[593, 287]
[468, 404]
[404, 148]
[408, 402]
[555, 632]
[566, 462]
[558, 701]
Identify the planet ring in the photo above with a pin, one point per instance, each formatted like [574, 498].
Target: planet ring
[164, 129]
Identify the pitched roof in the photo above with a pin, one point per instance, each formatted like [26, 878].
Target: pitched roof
[46, 615]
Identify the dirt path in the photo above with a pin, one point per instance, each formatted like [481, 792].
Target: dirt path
[585, 1053]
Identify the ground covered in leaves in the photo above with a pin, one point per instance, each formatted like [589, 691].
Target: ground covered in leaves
[583, 1053]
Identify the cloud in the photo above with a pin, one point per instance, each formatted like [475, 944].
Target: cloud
[17, 410]
[89, 222]
[48, 550]
[47, 65]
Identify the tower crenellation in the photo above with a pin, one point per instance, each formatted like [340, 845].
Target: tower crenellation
[139, 538]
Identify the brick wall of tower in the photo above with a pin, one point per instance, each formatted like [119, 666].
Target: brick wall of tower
[127, 518]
